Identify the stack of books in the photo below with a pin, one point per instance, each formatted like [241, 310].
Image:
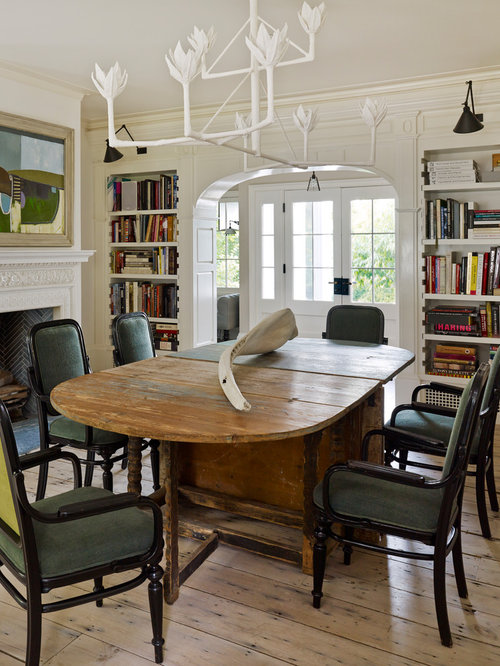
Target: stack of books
[452, 171]
[485, 224]
[454, 361]
[453, 320]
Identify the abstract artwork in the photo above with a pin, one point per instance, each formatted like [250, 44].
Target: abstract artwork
[35, 182]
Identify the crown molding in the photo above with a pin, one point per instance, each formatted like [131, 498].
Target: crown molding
[24, 75]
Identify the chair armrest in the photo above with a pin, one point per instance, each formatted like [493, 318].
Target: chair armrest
[423, 407]
[441, 387]
[401, 436]
[101, 505]
[36, 458]
[388, 473]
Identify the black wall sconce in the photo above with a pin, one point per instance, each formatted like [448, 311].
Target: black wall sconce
[469, 121]
[113, 154]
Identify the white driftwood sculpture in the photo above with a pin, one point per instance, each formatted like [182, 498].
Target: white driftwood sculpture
[269, 334]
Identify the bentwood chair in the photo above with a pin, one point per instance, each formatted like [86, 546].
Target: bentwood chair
[57, 352]
[360, 323]
[79, 535]
[133, 341]
[395, 502]
[430, 427]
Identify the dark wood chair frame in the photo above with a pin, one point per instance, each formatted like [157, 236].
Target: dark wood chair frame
[36, 585]
[482, 459]
[45, 409]
[119, 360]
[447, 537]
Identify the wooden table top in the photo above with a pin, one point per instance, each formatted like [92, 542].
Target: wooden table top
[181, 400]
[333, 357]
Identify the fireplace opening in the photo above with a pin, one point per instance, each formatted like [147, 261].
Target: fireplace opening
[14, 360]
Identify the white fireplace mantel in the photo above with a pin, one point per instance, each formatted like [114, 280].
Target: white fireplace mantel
[42, 278]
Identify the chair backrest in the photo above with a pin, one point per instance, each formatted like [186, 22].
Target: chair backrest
[466, 421]
[8, 460]
[57, 352]
[360, 323]
[132, 338]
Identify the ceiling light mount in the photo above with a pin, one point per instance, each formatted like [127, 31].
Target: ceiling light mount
[469, 121]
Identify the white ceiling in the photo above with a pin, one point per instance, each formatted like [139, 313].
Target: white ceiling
[362, 42]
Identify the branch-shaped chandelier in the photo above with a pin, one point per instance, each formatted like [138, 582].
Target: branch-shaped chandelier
[267, 47]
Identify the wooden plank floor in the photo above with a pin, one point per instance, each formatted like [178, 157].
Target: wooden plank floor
[240, 608]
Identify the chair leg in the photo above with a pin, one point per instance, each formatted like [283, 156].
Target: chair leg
[319, 560]
[458, 566]
[481, 501]
[347, 548]
[34, 637]
[89, 468]
[125, 458]
[490, 483]
[403, 458]
[43, 472]
[107, 476]
[155, 594]
[155, 463]
[440, 595]
[97, 588]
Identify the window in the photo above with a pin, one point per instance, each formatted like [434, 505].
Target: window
[373, 250]
[228, 245]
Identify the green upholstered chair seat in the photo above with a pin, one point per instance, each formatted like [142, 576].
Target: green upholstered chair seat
[360, 496]
[426, 424]
[64, 427]
[79, 544]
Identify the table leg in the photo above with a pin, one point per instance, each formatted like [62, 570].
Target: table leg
[311, 460]
[169, 470]
[134, 465]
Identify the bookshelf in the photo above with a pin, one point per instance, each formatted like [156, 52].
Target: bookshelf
[143, 251]
[455, 257]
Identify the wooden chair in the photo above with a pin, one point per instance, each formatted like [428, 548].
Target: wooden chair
[133, 341]
[430, 428]
[395, 502]
[57, 352]
[83, 534]
[361, 323]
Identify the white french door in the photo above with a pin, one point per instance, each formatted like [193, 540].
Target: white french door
[304, 241]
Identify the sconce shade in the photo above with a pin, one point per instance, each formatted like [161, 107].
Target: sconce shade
[468, 122]
[112, 154]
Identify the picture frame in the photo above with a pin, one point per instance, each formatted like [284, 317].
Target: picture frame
[36, 183]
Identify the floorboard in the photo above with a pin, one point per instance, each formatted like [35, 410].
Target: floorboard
[242, 608]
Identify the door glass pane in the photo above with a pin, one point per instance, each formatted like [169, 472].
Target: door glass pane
[384, 250]
[384, 286]
[312, 243]
[362, 279]
[384, 215]
[361, 250]
[302, 284]
[268, 251]
[267, 217]
[268, 283]
[361, 216]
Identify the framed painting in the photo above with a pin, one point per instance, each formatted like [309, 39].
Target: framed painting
[36, 183]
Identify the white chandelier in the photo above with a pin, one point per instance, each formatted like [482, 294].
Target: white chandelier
[267, 47]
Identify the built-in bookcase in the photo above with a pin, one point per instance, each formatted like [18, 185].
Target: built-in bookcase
[143, 234]
[459, 261]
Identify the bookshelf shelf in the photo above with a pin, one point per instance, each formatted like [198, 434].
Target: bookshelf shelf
[461, 297]
[462, 187]
[143, 234]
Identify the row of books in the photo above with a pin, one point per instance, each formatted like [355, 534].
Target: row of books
[482, 321]
[453, 361]
[474, 273]
[165, 336]
[485, 224]
[145, 194]
[452, 171]
[156, 261]
[144, 229]
[156, 300]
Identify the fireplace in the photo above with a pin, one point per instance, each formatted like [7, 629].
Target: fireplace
[35, 285]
